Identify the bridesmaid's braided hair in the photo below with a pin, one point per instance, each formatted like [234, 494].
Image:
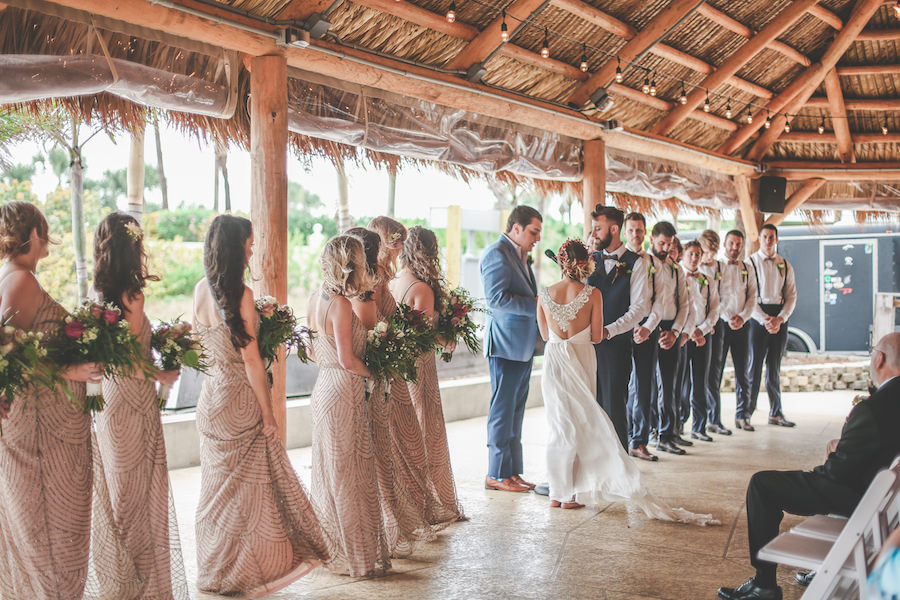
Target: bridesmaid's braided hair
[393, 234]
[371, 245]
[343, 263]
[421, 255]
[575, 260]
[120, 263]
[17, 220]
[225, 261]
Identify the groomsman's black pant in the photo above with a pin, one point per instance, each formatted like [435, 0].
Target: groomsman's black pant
[697, 372]
[772, 493]
[613, 373]
[640, 393]
[770, 348]
[716, 366]
[682, 387]
[738, 342]
[667, 396]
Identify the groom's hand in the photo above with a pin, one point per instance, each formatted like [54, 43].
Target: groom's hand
[605, 334]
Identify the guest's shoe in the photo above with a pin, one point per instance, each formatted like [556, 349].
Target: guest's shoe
[721, 430]
[750, 591]
[780, 420]
[518, 479]
[642, 453]
[542, 489]
[699, 435]
[681, 441]
[503, 485]
[667, 446]
[804, 578]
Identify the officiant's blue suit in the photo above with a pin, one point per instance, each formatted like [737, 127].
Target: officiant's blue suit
[509, 336]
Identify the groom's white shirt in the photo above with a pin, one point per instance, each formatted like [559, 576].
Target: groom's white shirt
[640, 294]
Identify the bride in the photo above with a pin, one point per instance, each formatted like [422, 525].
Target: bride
[585, 461]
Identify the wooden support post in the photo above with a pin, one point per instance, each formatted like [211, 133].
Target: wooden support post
[748, 208]
[268, 195]
[839, 117]
[594, 180]
[797, 198]
[135, 174]
[454, 245]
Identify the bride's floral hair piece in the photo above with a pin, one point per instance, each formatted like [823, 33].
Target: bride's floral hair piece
[575, 260]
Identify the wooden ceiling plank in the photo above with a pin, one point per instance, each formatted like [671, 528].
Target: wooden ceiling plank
[828, 17]
[735, 26]
[863, 10]
[849, 71]
[839, 117]
[655, 31]
[877, 104]
[804, 193]
[536, 60]
[488, 40]
[300, 10]
[664, 105]
[734, 63]
[421, 16]
[879, 35]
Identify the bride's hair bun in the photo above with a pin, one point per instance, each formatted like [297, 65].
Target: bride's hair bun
[17, 219]
[575, 260]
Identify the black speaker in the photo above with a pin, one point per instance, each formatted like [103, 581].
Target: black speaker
[771, 194]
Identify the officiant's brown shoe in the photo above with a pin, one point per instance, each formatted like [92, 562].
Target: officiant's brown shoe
[518, 479]
[642, 453]
[503, 485]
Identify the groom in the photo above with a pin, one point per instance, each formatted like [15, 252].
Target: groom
[510, 333]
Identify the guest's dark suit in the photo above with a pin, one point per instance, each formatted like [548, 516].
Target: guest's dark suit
[510, 332]
[869, 442]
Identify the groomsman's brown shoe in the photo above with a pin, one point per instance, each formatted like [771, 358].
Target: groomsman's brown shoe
[503, 485]
[744, 424]
[518, 479]
[642, 453]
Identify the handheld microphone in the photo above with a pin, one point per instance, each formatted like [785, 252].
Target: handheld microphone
[551, 255]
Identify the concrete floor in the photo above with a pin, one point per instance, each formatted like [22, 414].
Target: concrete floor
[515, 546]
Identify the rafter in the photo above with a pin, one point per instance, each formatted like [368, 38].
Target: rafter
[488, 40]
[879, 35]
[661, 104]
[849, 71]
[814, 137]
[655, 30]
[300, 10]
[877, 104]
[421, 16]
[835, 171]
[804, 193]
[613, 25]
[839, 117]
[731, 66]
[862, 12]
[720, 18]
[825, 15]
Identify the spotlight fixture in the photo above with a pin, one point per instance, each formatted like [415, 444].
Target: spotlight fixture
[619, 76]
[768, 122]
[787, 124]
[728, 112]
[821, 128]
[451, 12]
[646, 87]
[683, 98]
[545, 47]
[706, 103]
[653, 86]
[504, 30]
[584, 63]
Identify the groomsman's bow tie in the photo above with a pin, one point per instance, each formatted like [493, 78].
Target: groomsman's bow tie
[769, 258]
[693, 273]
[734, 262]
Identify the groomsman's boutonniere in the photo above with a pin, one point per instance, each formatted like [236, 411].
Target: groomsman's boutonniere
[621, 269]
[718, 275]
[530, 260]
[780, 267]
[701, 279]
[744, 275]
[652, 269]
[674, 267]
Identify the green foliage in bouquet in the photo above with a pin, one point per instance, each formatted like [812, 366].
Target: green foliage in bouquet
[455, 324]
[22, 361]
[394, 345]
[177, 346]
[278, 326]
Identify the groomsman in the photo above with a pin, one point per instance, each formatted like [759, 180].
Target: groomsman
[668, 313]
[625, 302]
[712, 268]
[644, 348]
[704, 314]
[776, 299]
[510, 333]
[737, 291]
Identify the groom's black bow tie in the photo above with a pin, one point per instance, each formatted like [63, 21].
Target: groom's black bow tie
[609, 256]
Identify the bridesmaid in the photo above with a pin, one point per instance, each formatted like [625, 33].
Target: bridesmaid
[256, 529]
[420, 285]
[45, 451]
[344, 486]
[129, 430]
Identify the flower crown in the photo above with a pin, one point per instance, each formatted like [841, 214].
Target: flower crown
[134, 231]
[574, 269]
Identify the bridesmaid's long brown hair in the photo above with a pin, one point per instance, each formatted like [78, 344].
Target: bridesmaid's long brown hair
[225, 261]
[421, 255]
[120, 263]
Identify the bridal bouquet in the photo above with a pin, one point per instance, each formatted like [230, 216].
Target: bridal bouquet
[21, 361]
[455, 324]
[177, 346]
[279, 326]
[97, 333]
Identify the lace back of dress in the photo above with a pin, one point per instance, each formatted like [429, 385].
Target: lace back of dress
[563, 314]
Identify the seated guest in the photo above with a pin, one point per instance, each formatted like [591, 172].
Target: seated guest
[868, 444]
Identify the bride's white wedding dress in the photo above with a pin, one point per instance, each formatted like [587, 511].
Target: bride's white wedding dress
[584, 457]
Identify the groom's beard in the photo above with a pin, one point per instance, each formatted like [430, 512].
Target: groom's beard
[602, 243]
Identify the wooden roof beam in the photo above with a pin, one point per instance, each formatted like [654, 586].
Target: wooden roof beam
[731, 66]
[877, 104]
[839, 117]
[835, 171]
[879, 35]
[488, 40]
[814, 137]
[300, 10]
[747, 206]
[424, 17]
[863, 10]
[849, 71]
[655, 31]
[613, 25]
[720, 18]
[664, 105]
[803, 194]
[825, 15]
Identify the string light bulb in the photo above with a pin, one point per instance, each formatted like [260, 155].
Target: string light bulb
[584, 63]
[749, 115]
[683, 98]
[768, 122]
[451, 12]
[646, 87]
[706, 106]
[884, 127]
[619, 76]
[504, 30]
[545, 47]
[897, 9]
[653, 85]
[787, 124]
[728, 112]
[821, 128]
